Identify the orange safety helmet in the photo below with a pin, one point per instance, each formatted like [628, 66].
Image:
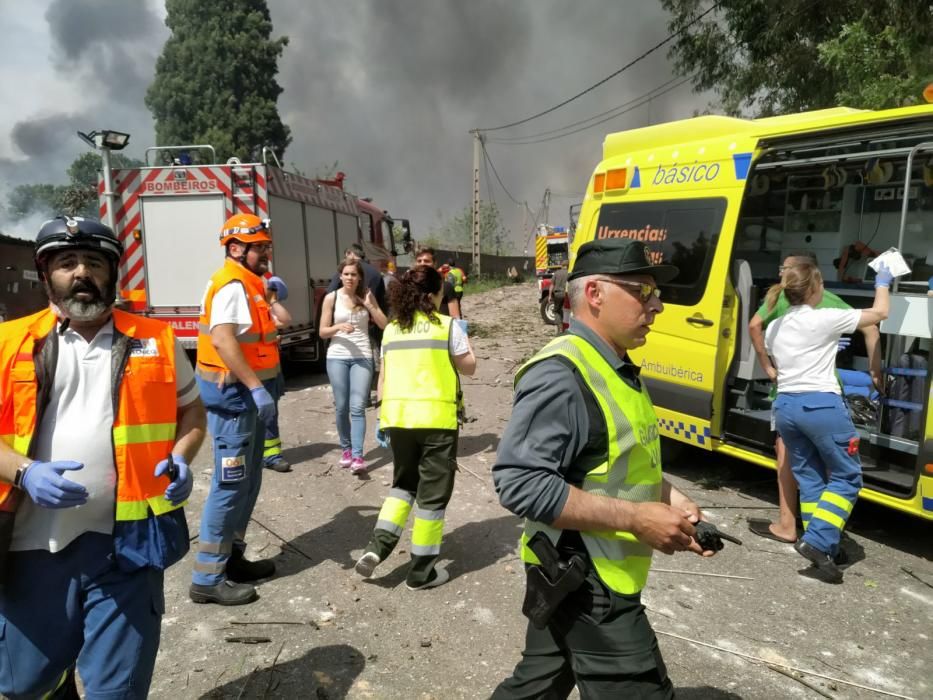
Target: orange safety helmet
[245, 228]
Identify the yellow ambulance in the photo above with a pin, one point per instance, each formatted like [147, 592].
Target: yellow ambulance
[725, 200]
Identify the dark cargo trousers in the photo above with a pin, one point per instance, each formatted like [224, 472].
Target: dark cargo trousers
[425, 461]
[599, 641]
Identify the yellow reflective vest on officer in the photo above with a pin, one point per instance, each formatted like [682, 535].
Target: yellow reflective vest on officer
[420, 387]
[632, 471]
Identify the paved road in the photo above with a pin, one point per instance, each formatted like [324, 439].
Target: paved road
[332, 635]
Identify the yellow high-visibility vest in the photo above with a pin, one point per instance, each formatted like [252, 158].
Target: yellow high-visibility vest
[421, 385]
[631, 472]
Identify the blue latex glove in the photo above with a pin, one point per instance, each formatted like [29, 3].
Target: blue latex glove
[883, 276]
[277, 285]
[382, 437]
[46, 486]
[265, 404]
[843, 343]
[180, 488]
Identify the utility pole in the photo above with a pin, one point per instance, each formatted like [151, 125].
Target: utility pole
[477, 148]
[547, 204]
[525, 225]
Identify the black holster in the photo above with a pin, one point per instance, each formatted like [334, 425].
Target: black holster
[550, 582]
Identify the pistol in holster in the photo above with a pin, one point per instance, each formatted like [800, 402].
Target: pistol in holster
[550, 582]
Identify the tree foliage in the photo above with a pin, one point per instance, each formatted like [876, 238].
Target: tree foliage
[215, 80]
[77, 198]
[457, 231]
[764, 57]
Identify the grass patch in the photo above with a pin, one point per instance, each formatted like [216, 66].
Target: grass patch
[484, 284]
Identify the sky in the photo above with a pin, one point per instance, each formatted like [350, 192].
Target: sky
[388, 90]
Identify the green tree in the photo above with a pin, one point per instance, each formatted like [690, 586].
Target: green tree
[215, 80]
[764, 57]
[78, 197]
[457, 231]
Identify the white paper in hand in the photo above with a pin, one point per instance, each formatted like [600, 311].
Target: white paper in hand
[893, 260]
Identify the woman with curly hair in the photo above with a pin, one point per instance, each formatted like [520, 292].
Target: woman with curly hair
[424, 353]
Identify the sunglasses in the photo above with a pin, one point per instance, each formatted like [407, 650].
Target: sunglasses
[645, 291]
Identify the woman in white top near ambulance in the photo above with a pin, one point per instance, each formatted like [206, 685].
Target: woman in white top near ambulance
[345, 317]
[810, 413]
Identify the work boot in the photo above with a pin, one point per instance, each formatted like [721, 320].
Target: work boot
[441, 576]
[824, 563]
[241, 570]
[279, 464]
[224, 593]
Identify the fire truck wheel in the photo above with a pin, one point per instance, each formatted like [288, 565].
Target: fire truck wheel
[550, 313]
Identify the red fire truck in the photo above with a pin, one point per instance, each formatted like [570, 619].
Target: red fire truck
[169, 218]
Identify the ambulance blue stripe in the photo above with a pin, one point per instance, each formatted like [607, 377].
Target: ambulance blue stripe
[927, 503]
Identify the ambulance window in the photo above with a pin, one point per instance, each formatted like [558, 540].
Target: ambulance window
[680, 232]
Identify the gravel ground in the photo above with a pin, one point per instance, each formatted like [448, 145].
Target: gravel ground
[327, 634]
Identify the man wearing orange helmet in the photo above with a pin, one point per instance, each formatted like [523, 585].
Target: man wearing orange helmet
[238, 362]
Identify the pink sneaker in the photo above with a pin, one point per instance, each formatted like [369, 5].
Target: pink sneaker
[358, 466]
[346, 459]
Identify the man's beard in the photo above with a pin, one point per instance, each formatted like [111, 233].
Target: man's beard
[259, 268]
[79, 309]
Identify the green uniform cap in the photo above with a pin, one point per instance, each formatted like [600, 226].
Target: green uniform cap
[619, 256]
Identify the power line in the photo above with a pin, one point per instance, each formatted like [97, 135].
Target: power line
[643, 101]
[509, 139]
[499, 179]
[624, 68]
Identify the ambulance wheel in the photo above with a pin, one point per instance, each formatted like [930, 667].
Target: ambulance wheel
[550, 313]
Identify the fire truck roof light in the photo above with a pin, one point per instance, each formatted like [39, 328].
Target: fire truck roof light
[115, 140]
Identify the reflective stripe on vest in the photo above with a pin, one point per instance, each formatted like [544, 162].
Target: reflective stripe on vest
[632, 471]
[144, 424]
[421, 385]
[259, 343]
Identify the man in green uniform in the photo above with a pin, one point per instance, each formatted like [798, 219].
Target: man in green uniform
[580, 460]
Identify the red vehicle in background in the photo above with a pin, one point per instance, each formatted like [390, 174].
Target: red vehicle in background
[169, 217]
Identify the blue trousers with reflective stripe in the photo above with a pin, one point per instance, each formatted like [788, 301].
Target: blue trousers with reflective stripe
[237, 435]
[823, 447]
[77, 607]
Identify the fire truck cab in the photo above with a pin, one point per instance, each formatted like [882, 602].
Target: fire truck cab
[552, 249]
[169, 213]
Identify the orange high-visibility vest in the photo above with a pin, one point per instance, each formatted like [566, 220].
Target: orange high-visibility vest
[146, 530]
[259, 344]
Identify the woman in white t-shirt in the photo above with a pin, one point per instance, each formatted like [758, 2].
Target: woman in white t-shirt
[810, 413]
[345, 318]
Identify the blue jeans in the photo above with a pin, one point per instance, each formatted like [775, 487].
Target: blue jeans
[351, 379]
[77, 607]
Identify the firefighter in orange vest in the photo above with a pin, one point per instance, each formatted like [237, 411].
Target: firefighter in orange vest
[237, 367]
[99, 419]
